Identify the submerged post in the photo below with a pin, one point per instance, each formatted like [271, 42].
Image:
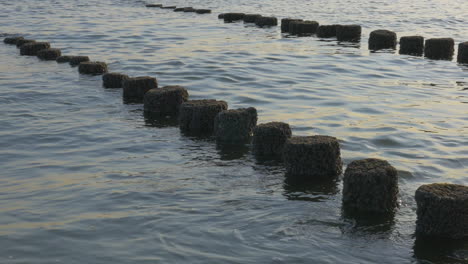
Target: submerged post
[31, 49]
[113, 79]
[196, 117]
[439, 48]
[351, 33]
[165, 101]
[382, 39]
[269, 139]
[285, 23]
[326, 31]
[370, 185]
[442, 210]
[235, 126]
[76, 60]
[49, 54]
[412, 45]
[134, 89]
[462, 52]
[313, 157]
[92, 67]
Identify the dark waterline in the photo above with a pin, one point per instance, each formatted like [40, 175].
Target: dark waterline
[88, 179]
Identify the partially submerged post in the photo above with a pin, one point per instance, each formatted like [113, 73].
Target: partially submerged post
[439, 48]
[269, 139]
[31, 49]
[266, 21]
[326, 31]
[351, 33]
[235, 126]
[285, 23]
[76, 60]
[251, 18]
[134, 89]
[382, 39]
[165, 101]
[313, 157]
[442, 210]
[21, 42]
[113, 79]
[412, 45]
[196, 117]
[304, 28]
[63, 59]
[189, 9]
[462, 52]
[12, 40]
[49, 54]
[370, 185]
[231, 17]
[203, 11]
[92, 67]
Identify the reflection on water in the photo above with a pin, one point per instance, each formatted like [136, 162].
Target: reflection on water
[309, 190]
[362, 224]
[232, 151]
[434, 250]
[160, 121]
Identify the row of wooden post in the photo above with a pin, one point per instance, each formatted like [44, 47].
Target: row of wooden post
[369, 185]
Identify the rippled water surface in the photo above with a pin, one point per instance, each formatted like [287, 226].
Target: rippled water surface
[87, 179]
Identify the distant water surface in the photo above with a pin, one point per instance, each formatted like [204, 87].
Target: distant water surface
[88, 179]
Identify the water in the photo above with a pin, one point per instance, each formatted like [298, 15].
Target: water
[87, 179]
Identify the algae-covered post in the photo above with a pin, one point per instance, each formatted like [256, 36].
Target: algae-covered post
[412, 45]
[230, 17]
[12, 40]
[21, 42]
[285, 23]
[313, 157]
[370, 185]
[63, 59]
[294, 27]
[235, 126]
[92, 67]
[442, 210]
[269, 139]
[266, 21]
[351, 33]
[196, 117]
[189, 9]
[382, 39]
[31, 49]
[49, 54]
[251, 18]
[165, 101]
[439, 48]
[134, 89]
[326, 31]
[76, 60]
[203, 11]
[113, 79]
[305, 28]
[462, 52]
